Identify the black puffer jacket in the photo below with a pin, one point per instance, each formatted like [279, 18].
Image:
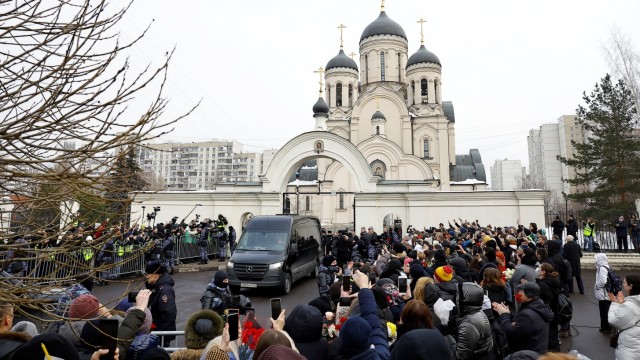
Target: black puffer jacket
[474, 330]
[304, 325]
[529, 329]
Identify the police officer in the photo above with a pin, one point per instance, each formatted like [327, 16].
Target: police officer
[162, 302]
[167, 246]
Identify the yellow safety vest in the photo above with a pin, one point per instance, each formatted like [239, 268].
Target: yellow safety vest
[587, 230]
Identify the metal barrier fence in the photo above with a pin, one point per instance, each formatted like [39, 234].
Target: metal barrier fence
[606, 238]
[179, 339]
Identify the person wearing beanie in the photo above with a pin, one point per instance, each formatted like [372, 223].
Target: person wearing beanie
[529, 328]
[394, 268]
[278, 352]
[421, 344]
[322, 303]
[439, 259]
[143, 341]
[201, 327]
[217, 296]
[445, 282]
[461, 269]
[84, 307]
[304, 324]
[156, 354]
[163, 298]
[416, 271]
[57, 346]
[327, 274]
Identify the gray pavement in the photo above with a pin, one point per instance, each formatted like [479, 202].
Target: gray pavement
[190, 286]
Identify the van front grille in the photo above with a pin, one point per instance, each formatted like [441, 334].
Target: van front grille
[250, 271]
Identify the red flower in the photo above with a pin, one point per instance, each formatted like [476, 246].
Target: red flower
[251, 335]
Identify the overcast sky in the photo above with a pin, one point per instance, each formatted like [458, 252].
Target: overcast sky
[508, 66]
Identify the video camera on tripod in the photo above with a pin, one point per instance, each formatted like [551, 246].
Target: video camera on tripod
[152, 215]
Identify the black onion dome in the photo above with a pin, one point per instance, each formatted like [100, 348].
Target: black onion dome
[423, 56]
[320, 106]
[378, 115]
[383, 25]
[341, 60]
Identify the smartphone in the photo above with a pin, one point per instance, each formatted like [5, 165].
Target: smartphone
[276, 308]
[249, 311]
[232, 320]
[346, 283]
[132, 296]
[402, 285]
[233, 311]
[475, 249]
[108, 330]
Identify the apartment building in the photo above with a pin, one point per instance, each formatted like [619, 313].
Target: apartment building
[506, 174]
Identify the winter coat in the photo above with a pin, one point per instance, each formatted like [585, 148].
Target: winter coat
[326, 277]
[529, 329]
[421, 344]
[304, 324]
[216, 298]
[127, 333]
[626, 318]
[558, 227]
[572, 228]
[474, 330]
[378, 335]
[523, 272]
[10, 342]
[448, 290]
[601, 276]
[162, 304]
[550, 288]
[196, 338]
[573, 253]
[621, 228]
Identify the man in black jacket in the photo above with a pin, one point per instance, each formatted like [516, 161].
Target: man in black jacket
[572, 227]
[162, 302]
[573, 253]
[558, 227]
[529, 329]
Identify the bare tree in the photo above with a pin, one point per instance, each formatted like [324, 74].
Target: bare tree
[65, 111]
[624, 61]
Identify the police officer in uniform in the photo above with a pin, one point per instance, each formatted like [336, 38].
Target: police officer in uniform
[162, 302]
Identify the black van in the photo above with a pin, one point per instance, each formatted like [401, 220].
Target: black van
[275, 251]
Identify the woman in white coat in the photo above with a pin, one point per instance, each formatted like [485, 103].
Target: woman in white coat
[602, 264]
[624, 315]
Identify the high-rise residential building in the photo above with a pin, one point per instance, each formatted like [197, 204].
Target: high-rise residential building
[545, 145]
[202, 165]
[506, 175]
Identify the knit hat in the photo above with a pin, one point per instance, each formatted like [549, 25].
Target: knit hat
[279, 352]
[56, 344]
[398, 248]
[500, 254]
[155, 267]
[491, 254]
[431, 294]
[407, 260]
[321, 303]
[421, 344]
[155, 354]
[529, 258]
[354, 333]
[219, 278]
[531, 289]
[416, 271]
[216, 354]
[328, 260]
[440, 255]
[84, 307]
[201, 327]
[444, 273]
[25, 327]
[394, 264]
[145, 327]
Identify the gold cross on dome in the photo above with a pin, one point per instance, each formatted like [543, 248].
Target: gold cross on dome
[352, 55]
[320, 71]
[341, 27]
[382, 6]
[421, 21]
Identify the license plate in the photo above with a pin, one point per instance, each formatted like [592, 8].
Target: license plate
[249, 285]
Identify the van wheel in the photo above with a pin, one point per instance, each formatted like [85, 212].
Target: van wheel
[315, 271]
[286, 286]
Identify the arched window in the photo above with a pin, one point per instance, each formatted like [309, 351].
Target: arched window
[435, 91]
[425, 146]
[341, 201]
[377, 130]
[339, 94]
[366, 68]
[399, 69]
[413, 92]
[423, 87]
[307, 203]
[329, 95]
[381, 66]
[350, 95]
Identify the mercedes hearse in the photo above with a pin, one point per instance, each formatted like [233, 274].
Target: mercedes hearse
[275, 251]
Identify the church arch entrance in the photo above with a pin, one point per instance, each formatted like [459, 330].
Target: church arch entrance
[392, 221]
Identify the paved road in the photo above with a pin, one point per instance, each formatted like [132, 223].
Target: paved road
[190, 286]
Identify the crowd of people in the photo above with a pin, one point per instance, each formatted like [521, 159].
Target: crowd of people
[463, 291]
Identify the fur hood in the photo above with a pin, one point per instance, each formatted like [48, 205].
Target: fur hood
[11, 341]
[17, 336]
[197, 334]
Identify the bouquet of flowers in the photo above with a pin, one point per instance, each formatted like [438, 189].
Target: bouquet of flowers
[392, 332]
[508, 274]
[251, 332]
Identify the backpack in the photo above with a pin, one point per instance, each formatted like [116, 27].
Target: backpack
[614, 284]
[563, 309]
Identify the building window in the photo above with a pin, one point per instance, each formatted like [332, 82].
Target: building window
[427, 154]
[413, 92]
[350, 95]
[377, 130]
[399, 69]
[341, 202]
[339, 94]
[329, 94]
[366, 69]
[381, 66]
[423, 87]
[307, 203]
[435, 91]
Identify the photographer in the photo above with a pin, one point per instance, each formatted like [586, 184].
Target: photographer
[203, 243]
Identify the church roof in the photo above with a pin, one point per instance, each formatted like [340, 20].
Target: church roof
[378, 115]
[341, 60]
[423, 56]
[383, 25]
[447, 107]
[308, 171]
[320, 106]
[468, 167]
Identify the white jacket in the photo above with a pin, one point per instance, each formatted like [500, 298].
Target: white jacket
[601, 276]
[626, 317]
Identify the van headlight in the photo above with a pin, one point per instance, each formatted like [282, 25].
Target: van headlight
[230, 264]
[277, 265]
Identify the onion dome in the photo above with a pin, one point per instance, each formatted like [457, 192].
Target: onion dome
[383, 25]
[423, 56]
[320, 106]
[341, 60]
[378, 116]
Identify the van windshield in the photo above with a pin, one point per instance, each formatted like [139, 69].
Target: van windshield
[275, 240]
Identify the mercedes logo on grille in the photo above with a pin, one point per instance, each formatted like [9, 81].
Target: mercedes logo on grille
[249, 269]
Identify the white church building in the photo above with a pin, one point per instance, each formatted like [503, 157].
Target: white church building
[382, 151]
